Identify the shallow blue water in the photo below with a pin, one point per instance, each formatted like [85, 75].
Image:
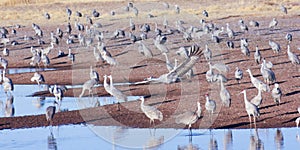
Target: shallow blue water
[91, 137]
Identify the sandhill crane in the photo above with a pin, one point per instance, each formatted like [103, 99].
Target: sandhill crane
[221, 67]
[37, 77]
[135, 11]
[144, 50]
[256, 82]
[177, 9]
[257, 100]
[165, 22]
[251, 109]
[131, 25]
[276, 93]
[209, 74]
[50, 111]
[45, 60]
[273, 23]
[289, 37]
[194, 54]
[120, 97]
[245, 50]
[94, 74]
[157, 30]
[105, 85]
[97, 55]
[88, 85]
[71, 55]
[243, 26]
[47, 50]
[151, 112]
[292, 57]
[283, 9]
[205, 13]
[254, 23]
[268, 74]
[68, 28]
[268, 64]
[159, 43]
[275, 46]
[58, 94]
[225, 95]
[189, 117]
[207, 53]
[230, 32]
[95, 13]
[108, 58]
[170, 66]
[7, 83]
[69, 13]
[257, 55]
[238, 74]
[210, 105]
[230, 44]
[9, 107]
[3, 62]
[5, 52]
[166, 5]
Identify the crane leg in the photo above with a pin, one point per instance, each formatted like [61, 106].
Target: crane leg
[254, 118]
[118, 108]
[250, 121]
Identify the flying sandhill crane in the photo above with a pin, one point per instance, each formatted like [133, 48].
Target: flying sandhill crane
[292, 57]
[276, 93]
[151, 112]
[37, 77]
[207, 53]
[116, 93]
[210, 105]
[251, 109]
[273, 23]
[224, 95]
[257, 55]
[257, 100]
[194, 54]
[50, 111]
[275, 46]
[256, 82]
[189, 117]
[238, 74]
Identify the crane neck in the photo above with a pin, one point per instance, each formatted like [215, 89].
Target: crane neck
[245, 97]
[198, 110]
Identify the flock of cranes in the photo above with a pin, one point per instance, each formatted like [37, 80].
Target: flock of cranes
[88, 34]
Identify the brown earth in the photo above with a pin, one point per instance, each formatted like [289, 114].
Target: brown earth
[170, 99]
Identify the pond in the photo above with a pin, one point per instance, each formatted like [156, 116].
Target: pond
[110, 137]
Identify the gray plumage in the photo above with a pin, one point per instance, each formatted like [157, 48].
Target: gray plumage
[9, 107]
[220, 67]
[268, 74]
[251, 109]
[257, 100]
[144, 50]
[276, 93]
[88, 85]
[189, 117]
[275, 46]
[273, 23]
[169, 65]
[257, 55]
[225, 95]
[39, 78]
[151, 112]
[207, 53]
[194, 53]
[256, 82]
[177, 9]
[292, 57]
[238, 74]
[210, 105]
[289, 37]
[159, 43]
[119, 95]
[283, 9]
[50, 111]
